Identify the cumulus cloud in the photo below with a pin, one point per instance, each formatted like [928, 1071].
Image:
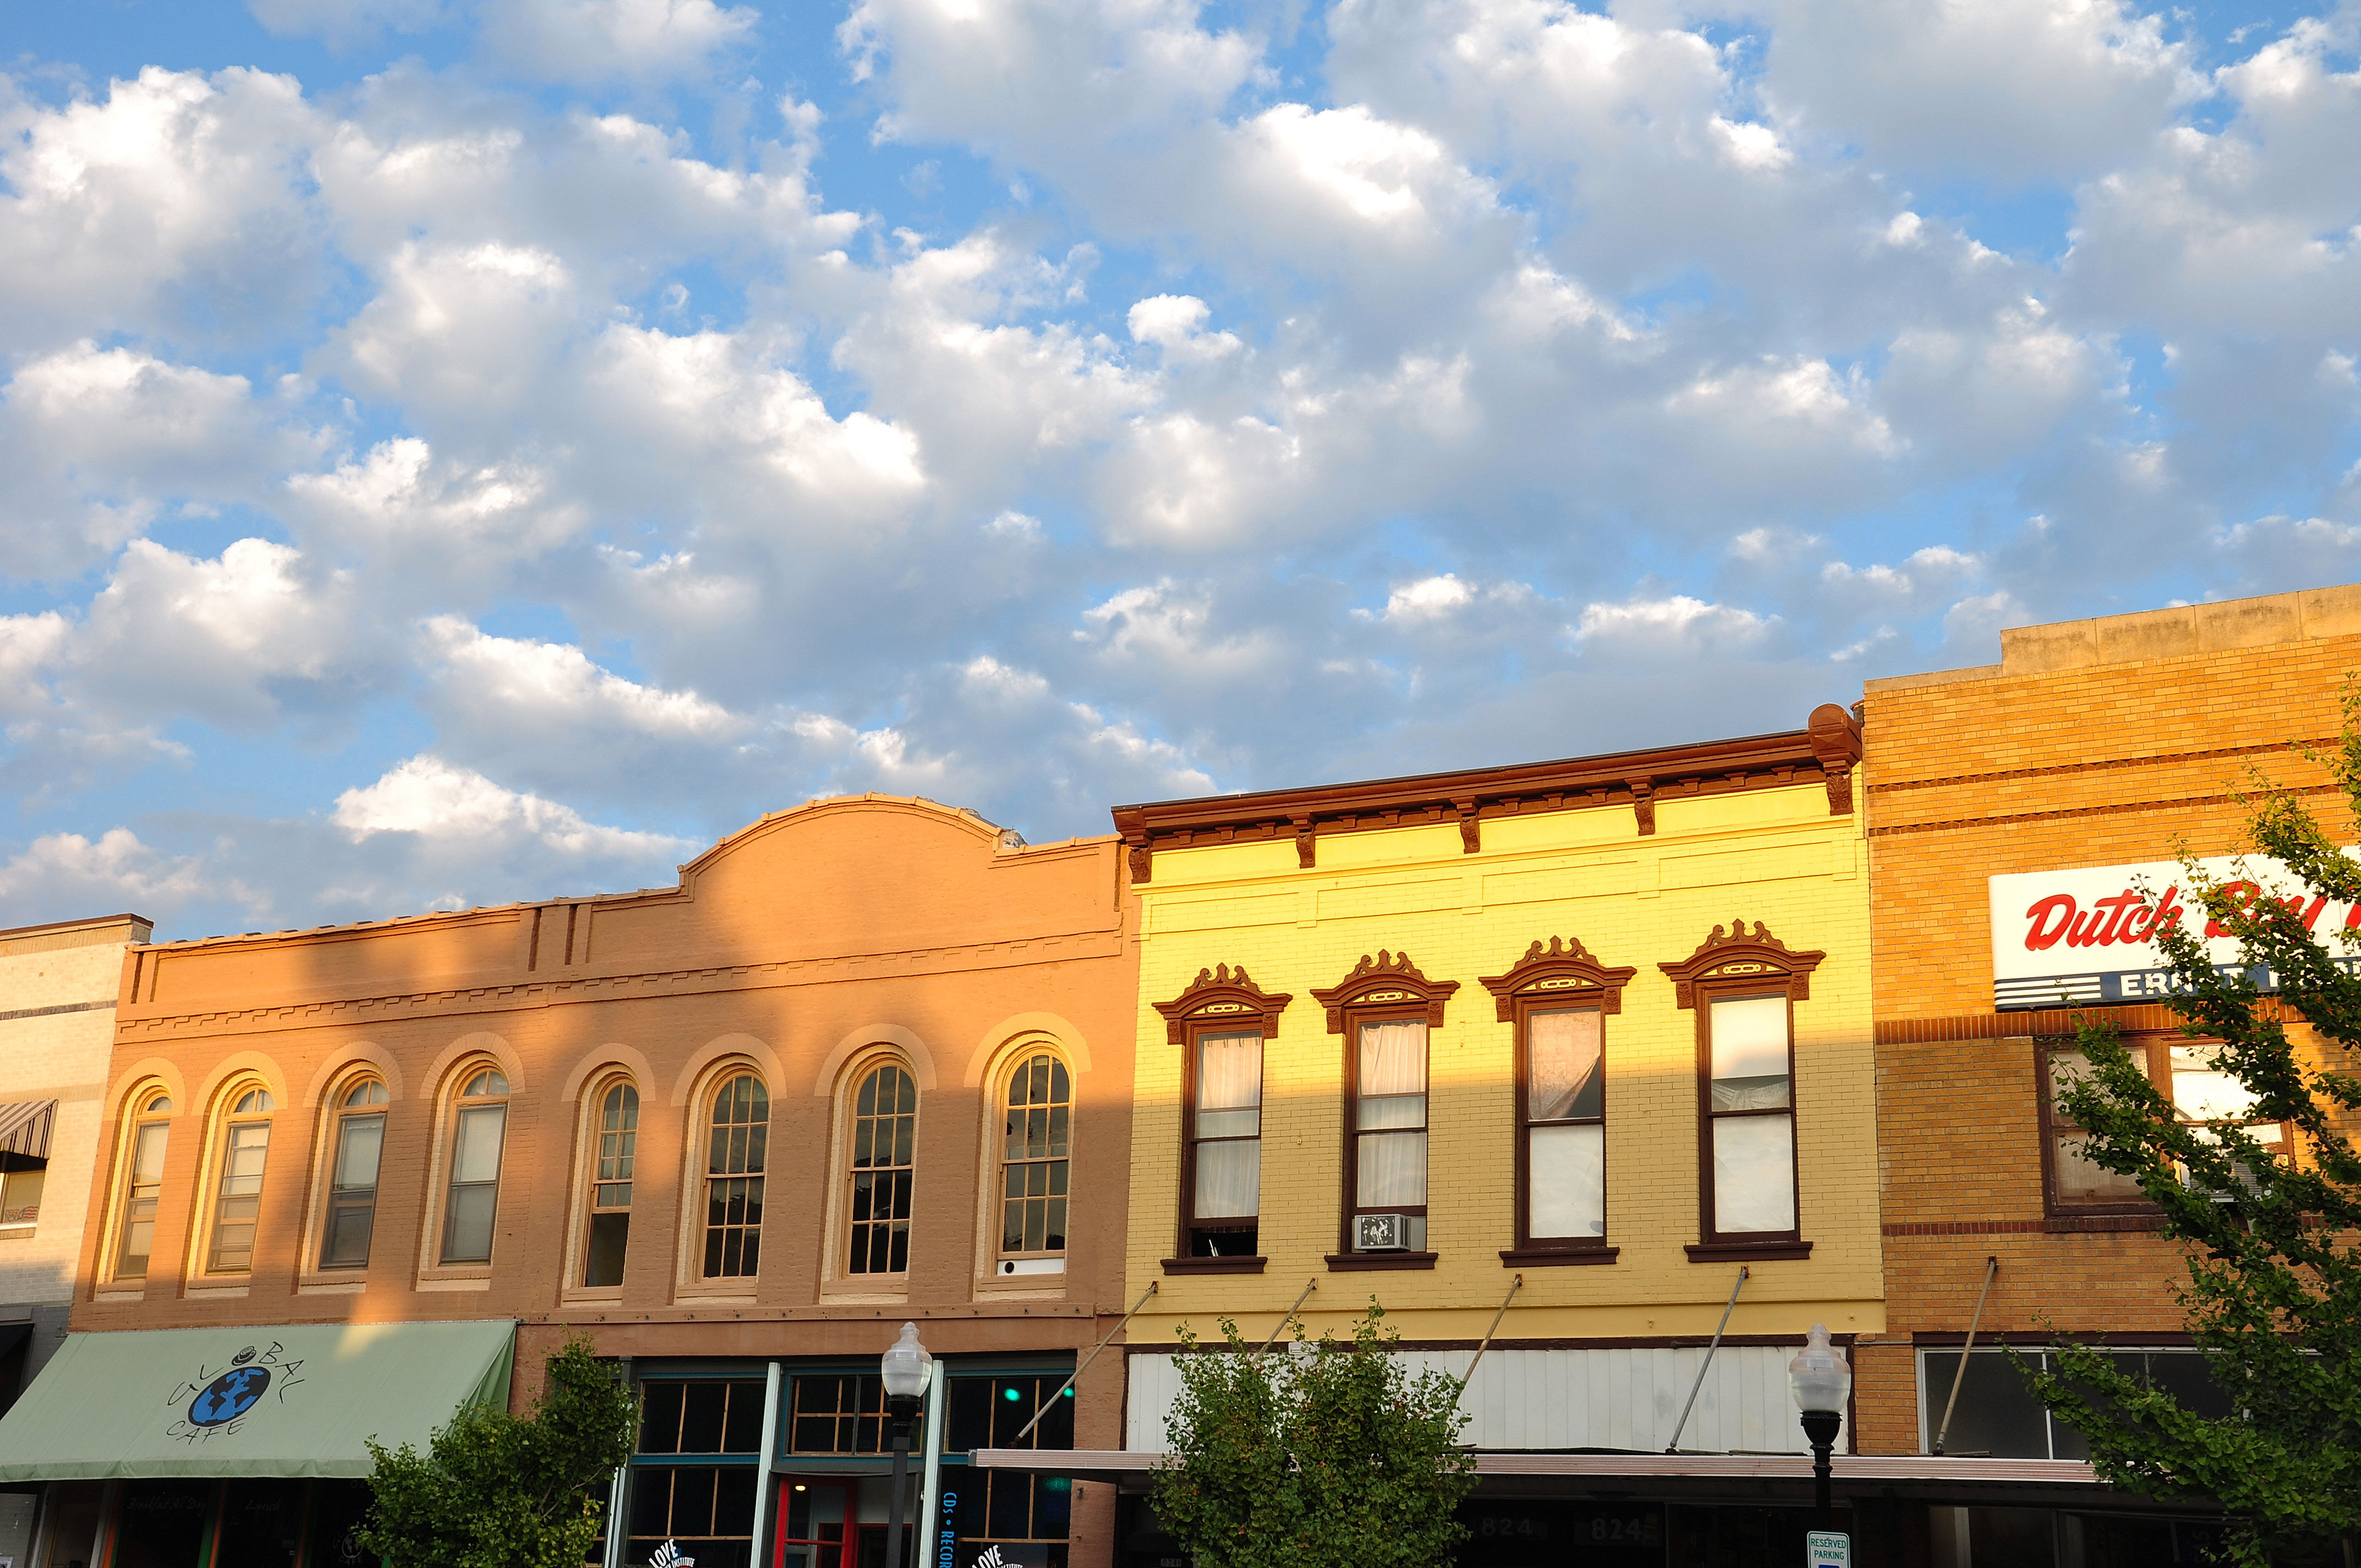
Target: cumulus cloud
[541, 460]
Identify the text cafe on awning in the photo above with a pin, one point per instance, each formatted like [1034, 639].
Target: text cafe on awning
[209, 1448]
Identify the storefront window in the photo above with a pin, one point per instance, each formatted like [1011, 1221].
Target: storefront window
[1027, 1517]
[837, 1413]
[694, 1476]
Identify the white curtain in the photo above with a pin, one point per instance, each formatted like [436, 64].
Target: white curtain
[1393, 1164]
[1567, 1080]
[1229, 1107]
[1566, 1175]
[1229, 1086]
[1750, 1053]
[1753, 1174]
[1229, 1180]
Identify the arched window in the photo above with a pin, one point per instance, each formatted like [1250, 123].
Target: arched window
[885, 1136]
[238, 1198]
[357, 1141]
[478, 1124]
[1034, 1151]
[733, 1178]
[617, 1130]
[143, 1180]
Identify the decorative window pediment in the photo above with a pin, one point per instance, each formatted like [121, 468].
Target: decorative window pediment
[1222, 995]
[1386, 981]
[1561, 970]
[1753, 956]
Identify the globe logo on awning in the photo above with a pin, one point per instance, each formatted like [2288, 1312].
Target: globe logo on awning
[228, 1397]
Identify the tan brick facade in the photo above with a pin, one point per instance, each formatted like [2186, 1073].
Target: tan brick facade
[2119, 741]
[806, 950]
[58, 986]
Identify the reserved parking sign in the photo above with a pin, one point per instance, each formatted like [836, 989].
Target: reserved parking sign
[1827, 1549]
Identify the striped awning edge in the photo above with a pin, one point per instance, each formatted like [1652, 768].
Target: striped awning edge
[25, 1127]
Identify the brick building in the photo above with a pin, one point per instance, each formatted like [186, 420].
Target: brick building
[868, 1062]
[2009, 806]
[57, 1024]
[1580, 1048]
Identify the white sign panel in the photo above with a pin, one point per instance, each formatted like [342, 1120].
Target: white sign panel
[1827, 1549]
[2074, 937]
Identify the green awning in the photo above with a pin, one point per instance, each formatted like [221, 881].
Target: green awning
[285, 1400]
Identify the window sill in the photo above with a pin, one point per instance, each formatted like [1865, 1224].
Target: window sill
[591, 1295]
[15, 1233]
[1214, 1265]
[1557, 1256]
[330, 1287]
[1369, 1262]
[2070, 1224]
[483, 1284]
[119, 1293]
[867, 1290]
[225, 1291]
[1747, 1252]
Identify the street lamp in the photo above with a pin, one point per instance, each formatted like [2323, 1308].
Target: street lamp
[1820, 1382]
[903, 1369]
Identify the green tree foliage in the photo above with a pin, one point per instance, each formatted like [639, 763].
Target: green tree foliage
[500, 1491]
[2274, 1290]
[1328, 1456]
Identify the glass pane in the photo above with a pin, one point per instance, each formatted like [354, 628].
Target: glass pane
[1391, 1170]
[1753, 1174]
[2203, 1092]
[2080, 1182]
[349, 1223]
[1242, 1124]
[1229, 1180]
[468, 1236]
[20, 1197]
[1996, 1414]
[1566, 1169]
[1567, 1076]
[242, 1162]
[148, 1158]
[1377, 1113]
[610, 1235]
[359, 1141]
[1229, 1075]
[1750, 1053]
[475, 1155]
[1393, 1058]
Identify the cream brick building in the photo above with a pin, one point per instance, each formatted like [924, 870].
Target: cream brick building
[58, 989]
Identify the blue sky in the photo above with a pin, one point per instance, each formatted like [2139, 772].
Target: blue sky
[460, 450]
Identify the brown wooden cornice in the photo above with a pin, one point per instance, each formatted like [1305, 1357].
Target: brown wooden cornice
[1389, 980]
[1562, 970]
[1222, 995]
[1755, 956]
[1826, 752]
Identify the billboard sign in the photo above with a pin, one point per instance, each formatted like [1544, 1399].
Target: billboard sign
[2085, 937]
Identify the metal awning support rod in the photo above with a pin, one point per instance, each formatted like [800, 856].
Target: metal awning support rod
[1093, 1355]
[1309, 1286]
[1675, 1446]
[1992, 1266]
[1485, 1343]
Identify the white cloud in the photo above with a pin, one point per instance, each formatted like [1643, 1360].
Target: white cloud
[176, 201]
[1676, 621]
[600, 40]
[457, 807]
[115, 872]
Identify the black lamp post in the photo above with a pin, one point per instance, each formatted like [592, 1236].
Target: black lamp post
[1820, 1382]
[903, 1369]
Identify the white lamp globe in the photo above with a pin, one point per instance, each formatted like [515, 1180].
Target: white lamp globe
[1818, 1378]
[904, 1365]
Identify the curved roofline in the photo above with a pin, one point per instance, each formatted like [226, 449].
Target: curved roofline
[771, 821]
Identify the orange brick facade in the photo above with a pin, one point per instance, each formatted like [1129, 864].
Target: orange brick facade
[806, 951]
[2093, 743]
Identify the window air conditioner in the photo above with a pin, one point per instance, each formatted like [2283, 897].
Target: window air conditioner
[1381, 1232]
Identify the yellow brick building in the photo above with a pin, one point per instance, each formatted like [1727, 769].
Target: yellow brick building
[1618, 901]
